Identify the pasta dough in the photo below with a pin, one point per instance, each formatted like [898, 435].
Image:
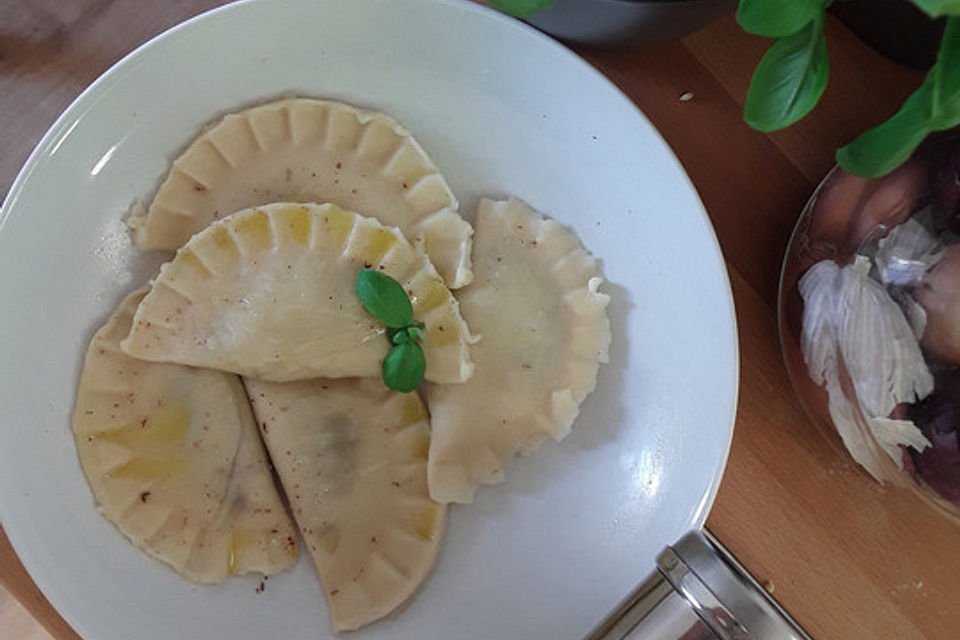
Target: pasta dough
[306, 150]
[351, 455]
[544, 331]
[174, 461]
[270, 293]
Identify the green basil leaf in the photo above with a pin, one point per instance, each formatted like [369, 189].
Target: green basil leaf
[416, 333]
[789, 80]
[883, 148]
[778, 18]
[384, 298]
[403, 367]
[935, 106]
[946, 78]
[398, 336]
[520, 8]
[937, 8]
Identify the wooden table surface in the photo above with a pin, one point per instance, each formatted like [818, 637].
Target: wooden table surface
[849, 559]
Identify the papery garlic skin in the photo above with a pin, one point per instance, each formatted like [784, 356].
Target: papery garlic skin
[907, 253]
[890, 434]
[877, 344]
[852, 327]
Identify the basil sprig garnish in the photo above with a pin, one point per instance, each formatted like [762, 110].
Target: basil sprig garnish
[385, 300]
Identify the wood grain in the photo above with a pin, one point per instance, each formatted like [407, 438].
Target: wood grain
[848, 558]
[17, 622]
[14, 579]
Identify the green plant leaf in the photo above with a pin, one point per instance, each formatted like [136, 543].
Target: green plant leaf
[404, 366]
[789, 80]
[937, 8]
[384, 298]
[778, 18]
[416, 332]
[520, 8]
[946, 77]
[885, 147]
[934, 106]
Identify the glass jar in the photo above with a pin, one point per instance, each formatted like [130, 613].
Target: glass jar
[869, 319]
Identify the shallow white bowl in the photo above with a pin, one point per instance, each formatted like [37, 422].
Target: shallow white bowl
[502, 110]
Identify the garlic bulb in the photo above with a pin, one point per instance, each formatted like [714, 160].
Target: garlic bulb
[850, 210]
[939, 295]
[854, 334]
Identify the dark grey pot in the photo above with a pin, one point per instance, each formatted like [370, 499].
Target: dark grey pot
[627, 22]
[895, 28]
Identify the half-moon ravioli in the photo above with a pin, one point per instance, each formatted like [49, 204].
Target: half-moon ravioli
[304, 150]
[352, 458]
[174, 460]
[270, 293]
[543, 333]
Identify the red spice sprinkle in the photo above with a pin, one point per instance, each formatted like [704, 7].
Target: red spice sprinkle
[396, 484]
[199, 187]
[339, 166]
[144, 496]
[405, 185]
[373, 539]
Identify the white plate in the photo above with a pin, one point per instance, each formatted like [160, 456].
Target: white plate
[501, 109]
